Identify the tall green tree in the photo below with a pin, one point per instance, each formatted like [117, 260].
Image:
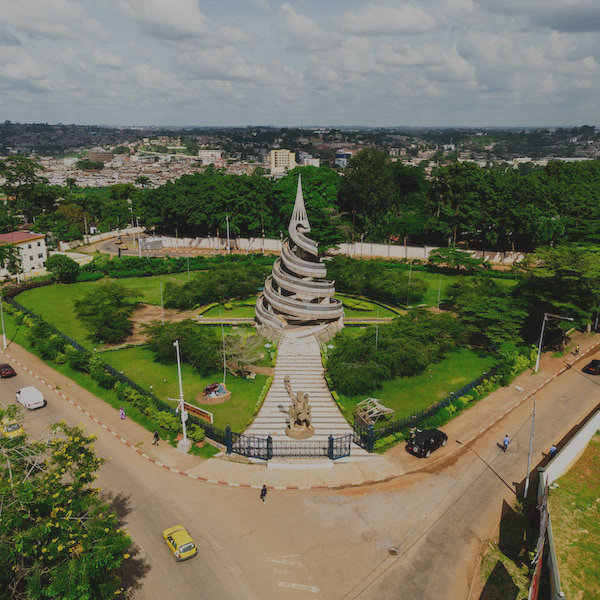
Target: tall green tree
[58, 538]
[564, 280]
[106, 310]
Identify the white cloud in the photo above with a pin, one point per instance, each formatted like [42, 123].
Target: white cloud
[107, 59]
[51, 19]
[17, 64]
[170, 20]
[373, 19]
[299, 32]
[384, 62]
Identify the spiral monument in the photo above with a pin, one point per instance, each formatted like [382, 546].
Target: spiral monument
[297, 292]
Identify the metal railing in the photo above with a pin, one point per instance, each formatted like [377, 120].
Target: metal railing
[265, 448]
[367, 436]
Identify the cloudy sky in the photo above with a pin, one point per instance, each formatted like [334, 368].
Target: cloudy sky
[301, 62]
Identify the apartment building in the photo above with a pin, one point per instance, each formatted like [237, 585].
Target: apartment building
[281, 161]
[32, 250]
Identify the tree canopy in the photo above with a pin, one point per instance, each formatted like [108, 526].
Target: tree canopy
[106, 310]
[58, 538]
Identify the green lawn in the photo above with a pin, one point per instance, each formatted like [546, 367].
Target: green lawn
[438, 283]
[574, 507]
[138, 364]
[408, 395]
[55, 303]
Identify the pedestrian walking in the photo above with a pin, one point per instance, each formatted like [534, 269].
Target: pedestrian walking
[577, 350]
[121, 412]
[263, 493]
[156, 438]
[553, 450]
[505, 443]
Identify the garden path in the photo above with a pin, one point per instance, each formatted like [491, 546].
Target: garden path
[299, 356]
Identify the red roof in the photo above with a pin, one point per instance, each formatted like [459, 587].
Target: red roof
[19, 237]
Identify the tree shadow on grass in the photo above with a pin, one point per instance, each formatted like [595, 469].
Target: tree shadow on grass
[499, 585]
[135, 568]
[512, 541]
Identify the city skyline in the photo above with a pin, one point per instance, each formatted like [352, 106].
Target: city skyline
[454, 63]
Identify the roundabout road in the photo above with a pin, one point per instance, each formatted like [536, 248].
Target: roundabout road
[329, 544]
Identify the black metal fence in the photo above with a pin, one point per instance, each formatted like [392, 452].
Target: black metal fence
[367, 436]
[265, 448]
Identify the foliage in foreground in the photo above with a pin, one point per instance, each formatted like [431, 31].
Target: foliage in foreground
[58, 538]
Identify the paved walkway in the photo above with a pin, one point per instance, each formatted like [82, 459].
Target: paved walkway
[236, 471]
[299, 357]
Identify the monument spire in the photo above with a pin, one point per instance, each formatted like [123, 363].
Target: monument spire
[299, 216]
[297, 292]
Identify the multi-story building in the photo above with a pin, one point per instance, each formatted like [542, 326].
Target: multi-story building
[281, 161]
[32, 250]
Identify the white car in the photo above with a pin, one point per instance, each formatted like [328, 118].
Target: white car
[31, 398]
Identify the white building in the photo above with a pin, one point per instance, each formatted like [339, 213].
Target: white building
[281, 161]
[32, 250]
[209, 157]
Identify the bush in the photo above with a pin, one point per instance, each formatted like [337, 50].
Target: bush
[195, 433]
[63, 268]
[383, 444]
[104, 379]
[89, 276]
[79, 361]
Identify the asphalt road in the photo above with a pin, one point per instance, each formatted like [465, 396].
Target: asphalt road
[326, 544]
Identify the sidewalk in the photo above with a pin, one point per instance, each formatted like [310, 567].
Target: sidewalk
[236, 471]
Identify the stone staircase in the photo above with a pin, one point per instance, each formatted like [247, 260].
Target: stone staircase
[299, 356]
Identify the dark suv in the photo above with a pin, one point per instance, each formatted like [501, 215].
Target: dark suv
[424, 442]
[593, 368]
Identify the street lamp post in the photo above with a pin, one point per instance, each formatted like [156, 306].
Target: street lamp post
[520, 389]
[547, 316]
[2, 314]
[184, 443]
[137, 220]
[228, 246]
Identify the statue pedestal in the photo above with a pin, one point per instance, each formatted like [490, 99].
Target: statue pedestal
[300, 432]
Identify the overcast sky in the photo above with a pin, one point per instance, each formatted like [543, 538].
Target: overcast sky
[301, 63]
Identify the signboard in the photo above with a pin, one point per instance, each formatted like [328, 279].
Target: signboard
[199, 412]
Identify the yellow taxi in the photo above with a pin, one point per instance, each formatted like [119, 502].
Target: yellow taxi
[180, 542]
[11, 429]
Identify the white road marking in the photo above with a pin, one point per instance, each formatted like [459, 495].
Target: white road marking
[298, 586]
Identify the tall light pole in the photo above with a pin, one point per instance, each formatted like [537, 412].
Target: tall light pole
[2, 314]
[137, 220]
[520, 389]
[184, 444]
[547, 316]
[228, 246]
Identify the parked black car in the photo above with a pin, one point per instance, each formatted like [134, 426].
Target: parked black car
[593, 368]
[423, 442]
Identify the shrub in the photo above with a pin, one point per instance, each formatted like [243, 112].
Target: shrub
[104, 379]
[89, 276]
[63, 268]
[383, 444]
[195, 433]
[79, 361]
